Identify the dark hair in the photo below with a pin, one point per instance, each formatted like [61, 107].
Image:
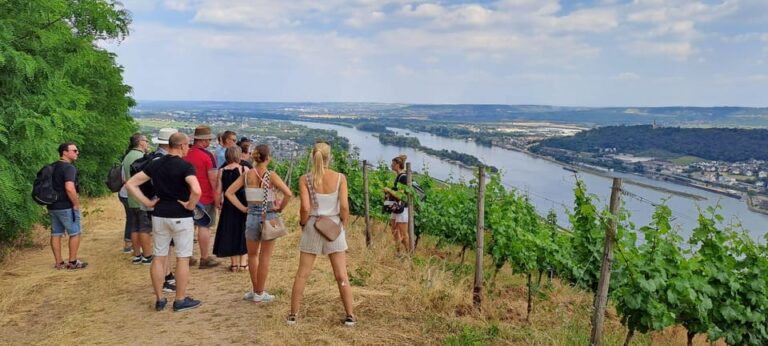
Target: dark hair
[245, 146]
[64, 147]
[177, 139]
[243, 140]
[134, 140]
[261, 153]
[227, 134]
[400, 160]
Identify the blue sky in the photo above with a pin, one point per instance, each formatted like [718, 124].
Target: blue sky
[569, 53]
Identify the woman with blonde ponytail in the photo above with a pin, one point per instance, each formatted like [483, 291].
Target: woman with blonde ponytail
[323, 193]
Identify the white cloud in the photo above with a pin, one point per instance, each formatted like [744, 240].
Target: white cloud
[675, 50]
[423, 10]
[178, 5]
[626, 76]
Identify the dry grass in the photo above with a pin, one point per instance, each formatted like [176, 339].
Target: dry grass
[424, 301]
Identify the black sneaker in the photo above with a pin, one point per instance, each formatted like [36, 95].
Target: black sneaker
[350, 321]
[168, 287]
[187, 304]
[160, 304]
[170, 279]
[137, 259]
[146, 260]
[291, 319]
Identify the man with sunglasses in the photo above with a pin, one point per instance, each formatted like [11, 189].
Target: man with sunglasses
[65, 212]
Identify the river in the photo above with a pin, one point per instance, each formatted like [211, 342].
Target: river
[549, 186]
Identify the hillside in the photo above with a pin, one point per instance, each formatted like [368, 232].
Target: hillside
[469, 113]
[730, 144]
[397, 302]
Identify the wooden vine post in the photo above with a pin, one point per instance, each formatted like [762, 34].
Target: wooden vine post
[366, 202]
[477, 292]
[411, 229]
[601, 296]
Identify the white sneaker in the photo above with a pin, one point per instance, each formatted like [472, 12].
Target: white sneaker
[264, 297]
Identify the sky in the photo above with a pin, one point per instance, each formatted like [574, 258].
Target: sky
[552, 52]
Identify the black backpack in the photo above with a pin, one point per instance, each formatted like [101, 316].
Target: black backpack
[139, 165]
[42, 190]
[115, 178]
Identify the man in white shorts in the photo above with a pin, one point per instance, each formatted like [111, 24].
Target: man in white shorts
[178, 192]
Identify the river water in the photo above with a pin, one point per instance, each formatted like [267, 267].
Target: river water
[548, 185]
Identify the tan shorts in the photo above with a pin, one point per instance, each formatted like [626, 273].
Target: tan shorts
[314, 243]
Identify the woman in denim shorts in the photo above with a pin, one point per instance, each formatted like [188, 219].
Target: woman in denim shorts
[260, 185]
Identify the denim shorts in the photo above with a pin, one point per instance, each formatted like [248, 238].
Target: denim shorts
[65, 220]
[253, 222]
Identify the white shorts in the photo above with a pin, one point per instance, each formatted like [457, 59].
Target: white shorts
[400, 218]
[182, 231]
[314, 243]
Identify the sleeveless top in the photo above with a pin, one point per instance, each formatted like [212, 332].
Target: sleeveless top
[256, 194]
[327, 203]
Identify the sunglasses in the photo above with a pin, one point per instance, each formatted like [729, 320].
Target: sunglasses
[75, 150]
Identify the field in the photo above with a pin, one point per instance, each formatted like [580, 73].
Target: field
[397, 301]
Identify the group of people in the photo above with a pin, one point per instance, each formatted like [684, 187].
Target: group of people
[182, 178]
[188, 181]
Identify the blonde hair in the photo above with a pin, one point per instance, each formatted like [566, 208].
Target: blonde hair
[232, 154]
[321, 156]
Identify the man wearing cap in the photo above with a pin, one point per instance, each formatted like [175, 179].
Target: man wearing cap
[178, 192]
[163, 136]
[205, 166]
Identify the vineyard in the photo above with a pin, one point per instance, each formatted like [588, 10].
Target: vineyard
[713, 283]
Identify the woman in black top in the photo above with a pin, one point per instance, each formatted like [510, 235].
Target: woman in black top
[399, 211]
[230, 232]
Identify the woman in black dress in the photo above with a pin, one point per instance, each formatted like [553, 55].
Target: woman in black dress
[230, 233]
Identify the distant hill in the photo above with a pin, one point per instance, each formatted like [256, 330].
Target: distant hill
[725, 144]
[594, 116]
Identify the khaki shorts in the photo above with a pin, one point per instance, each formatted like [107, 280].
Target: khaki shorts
[181, 231]
[314, 243]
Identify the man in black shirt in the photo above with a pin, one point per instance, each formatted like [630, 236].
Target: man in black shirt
[65, 212]
[178, 192]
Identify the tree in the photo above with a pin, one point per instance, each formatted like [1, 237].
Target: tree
[57, 85]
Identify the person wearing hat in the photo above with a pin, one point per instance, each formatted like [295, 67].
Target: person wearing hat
[163, 136]
[178, 192]
[206, 169]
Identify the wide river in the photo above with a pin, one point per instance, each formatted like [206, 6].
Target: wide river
[549, 185]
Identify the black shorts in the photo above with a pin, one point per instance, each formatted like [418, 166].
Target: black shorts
[142, 221]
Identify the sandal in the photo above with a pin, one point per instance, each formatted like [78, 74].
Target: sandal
[77, 264]
[234, 268]
[60, 265]
[244, 268]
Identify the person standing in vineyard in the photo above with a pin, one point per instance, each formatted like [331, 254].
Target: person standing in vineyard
[206, 169]
[328, 189]
[395, 204]
[138, 220]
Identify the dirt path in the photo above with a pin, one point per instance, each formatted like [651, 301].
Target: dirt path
[111, 302]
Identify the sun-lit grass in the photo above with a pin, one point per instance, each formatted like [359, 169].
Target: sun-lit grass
[398, 301]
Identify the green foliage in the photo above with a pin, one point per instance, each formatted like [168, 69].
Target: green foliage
[475, 336]
[588, 238]
[642, 281]
[733, 144]
[56, 85]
